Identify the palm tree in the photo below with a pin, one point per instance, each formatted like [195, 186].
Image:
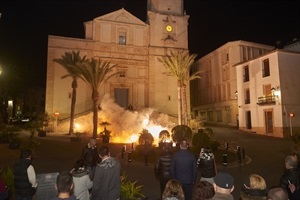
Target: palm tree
[69, 61]
[178, 64]
[94, 73]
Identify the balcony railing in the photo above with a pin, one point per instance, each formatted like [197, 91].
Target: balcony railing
[266, 100]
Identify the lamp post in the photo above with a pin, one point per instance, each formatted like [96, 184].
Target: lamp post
[56, 114]
[291, 127]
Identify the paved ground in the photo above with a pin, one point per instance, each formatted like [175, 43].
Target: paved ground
[267, 154]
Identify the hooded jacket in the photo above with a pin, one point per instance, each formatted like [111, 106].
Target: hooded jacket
[82, 183]
[107, 181]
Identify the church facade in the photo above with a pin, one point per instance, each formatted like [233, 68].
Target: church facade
[135, 46]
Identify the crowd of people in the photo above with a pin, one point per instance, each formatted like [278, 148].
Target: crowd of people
[177, 175]
[96, 176]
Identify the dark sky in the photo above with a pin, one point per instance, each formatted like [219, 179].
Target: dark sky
[25, 26]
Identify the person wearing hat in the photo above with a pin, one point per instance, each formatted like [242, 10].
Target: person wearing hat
[223, 185]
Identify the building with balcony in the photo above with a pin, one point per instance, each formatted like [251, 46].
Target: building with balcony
[214, 95]
[269, 92]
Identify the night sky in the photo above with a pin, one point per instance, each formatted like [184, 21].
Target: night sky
[25, 26]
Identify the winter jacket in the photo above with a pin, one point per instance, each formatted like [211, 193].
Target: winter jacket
[82, 184]
[90, 155]
[163, 165]
[107, 181]
[290, 176]
[184, 167]
[21, 182]
[206, 165]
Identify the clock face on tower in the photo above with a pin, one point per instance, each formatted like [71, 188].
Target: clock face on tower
[169, 28]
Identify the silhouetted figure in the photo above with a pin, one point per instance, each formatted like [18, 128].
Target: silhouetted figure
[24, 176]
[162, 167]
[184, 169]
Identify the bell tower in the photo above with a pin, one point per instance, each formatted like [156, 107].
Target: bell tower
[168, 31]
[168, 7]
[168, 23]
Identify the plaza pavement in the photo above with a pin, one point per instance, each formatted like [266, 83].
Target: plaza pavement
[265, 157]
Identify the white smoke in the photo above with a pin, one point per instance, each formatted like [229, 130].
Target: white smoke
[124, 123]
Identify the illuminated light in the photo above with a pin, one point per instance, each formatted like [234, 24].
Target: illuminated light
[10, 103]
[77, 127]
[277, 93]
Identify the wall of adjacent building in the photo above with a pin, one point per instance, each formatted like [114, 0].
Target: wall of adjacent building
[214, 96]
[284, 72]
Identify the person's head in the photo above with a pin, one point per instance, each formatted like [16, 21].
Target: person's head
[93, 141]
[203, 190]
[167, 147]
[173, 189]
[257, 182]
[207, 150]
[223, 183]
[26, 153]
[184, 144]
[64, 182]
[277, 193]
[291, 162]
[103, 151]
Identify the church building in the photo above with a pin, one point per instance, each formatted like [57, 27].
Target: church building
[135, 46]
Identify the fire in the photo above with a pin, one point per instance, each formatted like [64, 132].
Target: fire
[134, 137]
[125, 125]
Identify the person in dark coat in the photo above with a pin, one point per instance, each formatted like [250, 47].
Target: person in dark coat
[90, 156]
[207, 165]
[162, 167]
[291, 177]
[184, 169]
[24, 176]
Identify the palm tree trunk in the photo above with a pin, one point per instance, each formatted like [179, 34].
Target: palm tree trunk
[95, 98]
[184, 104]
[73, 103]
[179, 104]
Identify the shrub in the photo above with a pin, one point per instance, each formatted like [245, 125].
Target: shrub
[146, 138]
[8, 178]
[181, 132]
[201, 139]
[130, 190]
[204, 138]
